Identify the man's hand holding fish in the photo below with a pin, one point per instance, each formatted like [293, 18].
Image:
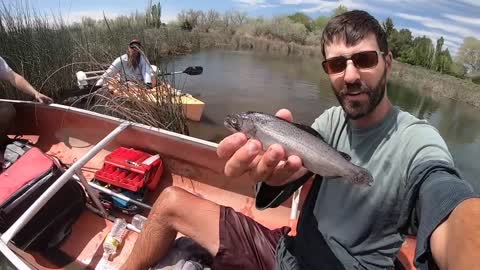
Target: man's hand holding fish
[246, 155]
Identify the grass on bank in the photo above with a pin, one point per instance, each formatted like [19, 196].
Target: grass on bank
[49, 52]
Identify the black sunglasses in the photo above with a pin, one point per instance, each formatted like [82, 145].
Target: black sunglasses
[133, 47]
[361, 60]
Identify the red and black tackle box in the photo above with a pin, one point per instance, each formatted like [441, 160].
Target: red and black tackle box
[131, 169]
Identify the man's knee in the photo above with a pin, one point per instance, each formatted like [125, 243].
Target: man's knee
[170, 200]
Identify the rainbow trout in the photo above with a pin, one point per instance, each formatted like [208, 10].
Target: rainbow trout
[300, 140]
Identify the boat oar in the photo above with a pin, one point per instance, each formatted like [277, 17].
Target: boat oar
[192, 71]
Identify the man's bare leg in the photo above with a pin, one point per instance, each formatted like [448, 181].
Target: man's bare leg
[175, 210]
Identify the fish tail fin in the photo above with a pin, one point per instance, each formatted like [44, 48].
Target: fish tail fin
[362, 177]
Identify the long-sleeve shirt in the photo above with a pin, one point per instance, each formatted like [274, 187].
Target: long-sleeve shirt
[142, 73]
[4, 69]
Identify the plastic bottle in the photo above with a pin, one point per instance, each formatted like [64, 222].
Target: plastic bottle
[114, 238]
[138, 221]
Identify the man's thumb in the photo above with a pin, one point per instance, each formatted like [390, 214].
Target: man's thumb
[285, 114]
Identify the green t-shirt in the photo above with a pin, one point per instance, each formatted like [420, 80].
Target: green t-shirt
[360, 223]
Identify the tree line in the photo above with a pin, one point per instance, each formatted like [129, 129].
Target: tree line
[302, 29]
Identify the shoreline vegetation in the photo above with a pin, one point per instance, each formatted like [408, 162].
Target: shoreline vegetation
[49, 51]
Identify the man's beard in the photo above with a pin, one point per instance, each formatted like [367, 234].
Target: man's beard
[358, 109]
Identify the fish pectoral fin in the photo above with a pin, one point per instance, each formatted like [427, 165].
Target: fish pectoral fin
[345, 155]
[309, 129]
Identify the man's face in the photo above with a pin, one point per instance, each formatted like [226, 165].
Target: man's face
[359, 91]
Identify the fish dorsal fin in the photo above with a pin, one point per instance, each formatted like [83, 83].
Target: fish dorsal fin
[308, 129]
[312, 131]
[345, 155]
[315, 133]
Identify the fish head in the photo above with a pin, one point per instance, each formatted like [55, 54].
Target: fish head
[240, 122]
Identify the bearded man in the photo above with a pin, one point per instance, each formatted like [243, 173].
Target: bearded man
[416, 188]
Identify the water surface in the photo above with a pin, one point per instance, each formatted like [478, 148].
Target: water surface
[236, 81]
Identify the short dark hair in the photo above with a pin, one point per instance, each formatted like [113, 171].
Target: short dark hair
[352, 27]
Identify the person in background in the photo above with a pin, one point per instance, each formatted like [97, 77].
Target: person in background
[132, 66]
[7, 111]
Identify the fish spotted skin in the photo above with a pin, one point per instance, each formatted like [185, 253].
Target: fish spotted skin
[300, 140]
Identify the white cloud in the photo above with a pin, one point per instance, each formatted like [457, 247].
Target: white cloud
[255, 3]
[168, 17]
[251, 2]
[267, 5]
[301, 2]
[463, 19]
[328, 6]
[76, 16]
[438, 24]
[434, 35]
[450, 41]
[452, 47]
[471, 2]
[325, 6]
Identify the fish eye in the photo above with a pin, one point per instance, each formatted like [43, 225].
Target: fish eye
[234, 121]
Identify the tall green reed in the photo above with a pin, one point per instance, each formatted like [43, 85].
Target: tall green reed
[48, 51]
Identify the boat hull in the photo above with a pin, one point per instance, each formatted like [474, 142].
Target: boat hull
[192, 164]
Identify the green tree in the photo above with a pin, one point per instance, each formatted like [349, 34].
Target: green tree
[209, 21]
[340, 10]
[439, 57]
[153, 15]
[320, 22]
[388, 27]
[422, 53]
[400, 43]
[445, 62]
[457, 69]
[302, 18]
[469, 54]
[189, 19]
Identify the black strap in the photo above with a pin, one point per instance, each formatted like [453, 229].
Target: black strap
[272, 196]
[309, 240]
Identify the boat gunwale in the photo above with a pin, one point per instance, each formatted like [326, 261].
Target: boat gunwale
[10, 254]
[114, 120]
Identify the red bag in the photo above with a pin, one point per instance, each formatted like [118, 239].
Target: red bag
[34, 164]
[21, 184]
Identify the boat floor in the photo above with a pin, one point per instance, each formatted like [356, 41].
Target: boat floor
[83, 248]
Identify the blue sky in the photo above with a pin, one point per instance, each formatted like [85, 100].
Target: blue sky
[454, 20]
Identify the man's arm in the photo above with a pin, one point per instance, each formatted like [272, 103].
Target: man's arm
[147, 72]
[19, 82]
[455, 244]
[444, 213]
[111, 71]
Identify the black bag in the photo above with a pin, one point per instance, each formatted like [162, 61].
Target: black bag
[21, 184]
